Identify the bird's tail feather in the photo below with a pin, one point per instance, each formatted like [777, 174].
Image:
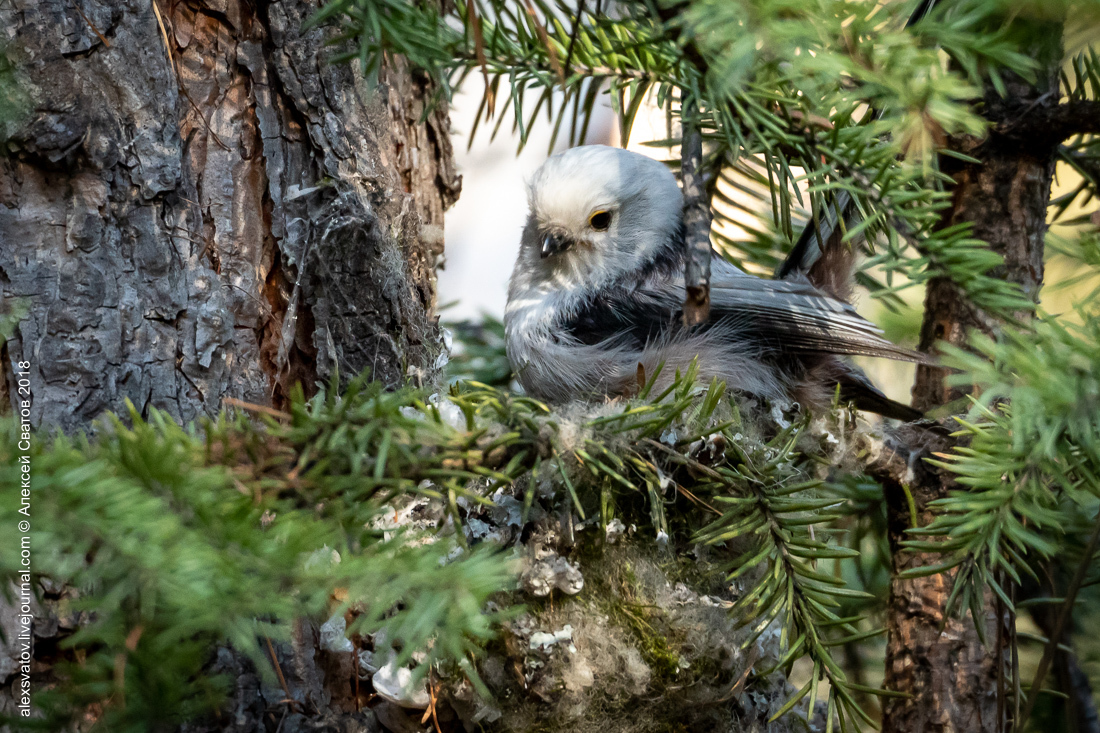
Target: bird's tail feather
[816, 239]
[830, 267]
[857, 389]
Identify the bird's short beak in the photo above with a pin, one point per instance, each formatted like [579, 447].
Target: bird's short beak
[552, 244]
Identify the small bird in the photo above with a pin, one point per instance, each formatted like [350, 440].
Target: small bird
[596, 296]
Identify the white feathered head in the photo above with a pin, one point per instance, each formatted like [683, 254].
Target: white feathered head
[598, 211]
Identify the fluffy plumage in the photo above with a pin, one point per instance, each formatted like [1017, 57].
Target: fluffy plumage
[598, 286]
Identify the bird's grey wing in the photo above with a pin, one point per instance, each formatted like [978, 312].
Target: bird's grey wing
[750, 318]
[778, 316]
[795, 317]
[630, 317]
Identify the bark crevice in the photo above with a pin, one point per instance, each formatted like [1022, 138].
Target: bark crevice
[162, 203]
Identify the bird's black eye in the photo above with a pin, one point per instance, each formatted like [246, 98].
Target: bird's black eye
[600, 221]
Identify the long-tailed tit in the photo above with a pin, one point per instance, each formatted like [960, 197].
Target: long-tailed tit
[598, 287]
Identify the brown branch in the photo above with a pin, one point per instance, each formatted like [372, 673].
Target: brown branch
[253, 407]
[670, 16]
[696, 218]
[545, 39]
[937, 659]
[573, 34]
[162, 24]
[1038, 125]
[685, 460]
[594, 72]
[479, 51]
[279, 673]
[1080, 707]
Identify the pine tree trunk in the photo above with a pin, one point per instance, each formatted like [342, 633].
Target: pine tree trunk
[953, 680]
[196, 205]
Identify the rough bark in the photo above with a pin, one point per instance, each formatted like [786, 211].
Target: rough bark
[196, 205]
[950, 677]
[937, 659]
[1005, 198]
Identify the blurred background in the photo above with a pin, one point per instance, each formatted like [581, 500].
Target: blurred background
[484, 226]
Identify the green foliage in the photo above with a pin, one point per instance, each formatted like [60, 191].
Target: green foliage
[179, 539]
[768, 498]
[1031, 462]
[1032, 466]
[396, 26]
[1081, 77]
[802, 104]
[782, 513]
[799, 102]
[182, 539]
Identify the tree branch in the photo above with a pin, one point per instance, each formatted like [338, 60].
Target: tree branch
[936, 658]
[1039, 125]
[697, 218]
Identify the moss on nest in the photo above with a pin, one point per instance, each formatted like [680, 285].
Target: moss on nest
[651, 650]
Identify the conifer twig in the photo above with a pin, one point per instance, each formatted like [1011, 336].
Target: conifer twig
[253, 407]
[696, 218]
[279, 673]
[91, 25]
